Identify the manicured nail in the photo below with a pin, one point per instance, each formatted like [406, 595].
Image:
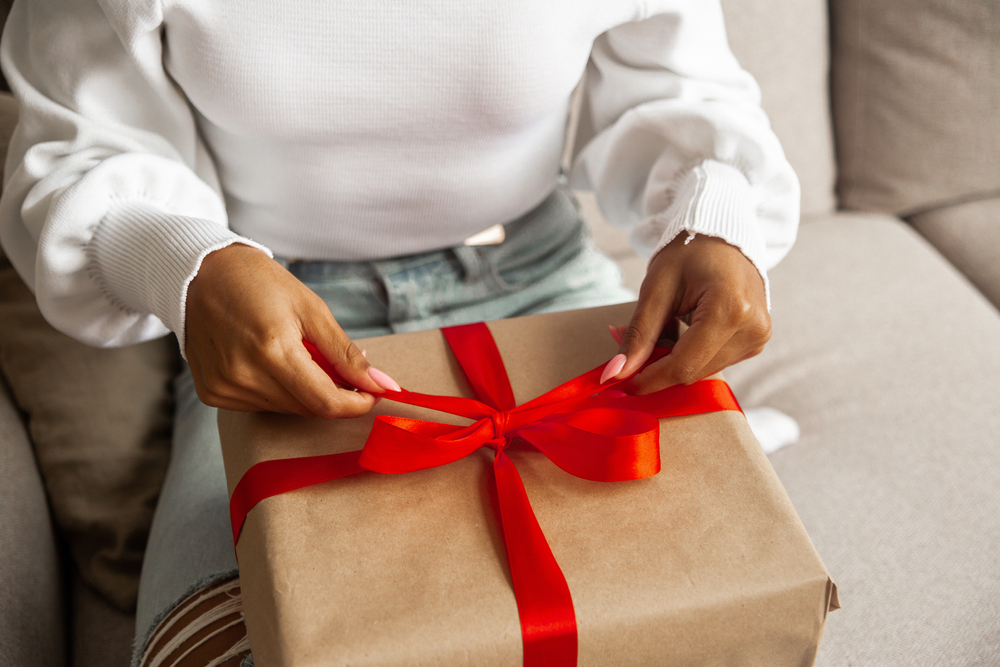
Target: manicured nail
[614, 333]
[364, 353]
[613, 368]
[383, 380]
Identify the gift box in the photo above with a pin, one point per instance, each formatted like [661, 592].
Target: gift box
[703, 562]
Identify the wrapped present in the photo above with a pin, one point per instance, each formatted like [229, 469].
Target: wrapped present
[540, 520]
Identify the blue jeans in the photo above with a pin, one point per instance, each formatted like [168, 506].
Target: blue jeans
[547, 263]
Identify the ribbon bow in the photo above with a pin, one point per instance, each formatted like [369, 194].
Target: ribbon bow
[589, 430]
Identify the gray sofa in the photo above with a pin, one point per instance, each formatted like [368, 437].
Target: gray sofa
[885, 344]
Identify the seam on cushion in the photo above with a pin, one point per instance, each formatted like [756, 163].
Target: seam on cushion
[948, 203]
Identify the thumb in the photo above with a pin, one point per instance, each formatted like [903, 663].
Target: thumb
[637, 340]
[347, 359]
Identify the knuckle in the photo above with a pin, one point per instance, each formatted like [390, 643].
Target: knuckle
[684, 373]
[354, 356]
[213, 383]
[207, 396]
[760, 328]
[354, 410]
[738, 311]
[633, 336]
[328, 408]
[336, 406]
[237, 374]
[211, 398]
[272, 346]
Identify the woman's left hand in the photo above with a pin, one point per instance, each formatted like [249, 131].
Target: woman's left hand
[722, 292]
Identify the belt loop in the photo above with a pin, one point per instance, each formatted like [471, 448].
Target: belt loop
[471, 260]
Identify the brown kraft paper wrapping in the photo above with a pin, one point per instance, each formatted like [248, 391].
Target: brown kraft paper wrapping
[705, 563]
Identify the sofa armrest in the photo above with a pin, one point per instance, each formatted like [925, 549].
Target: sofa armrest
[32, 611]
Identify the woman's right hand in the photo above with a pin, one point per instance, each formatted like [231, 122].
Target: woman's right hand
[245, 322]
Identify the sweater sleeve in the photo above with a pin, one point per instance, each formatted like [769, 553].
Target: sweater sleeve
[110, 199]
[674, 138]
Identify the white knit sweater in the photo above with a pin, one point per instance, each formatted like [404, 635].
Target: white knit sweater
[155, 131]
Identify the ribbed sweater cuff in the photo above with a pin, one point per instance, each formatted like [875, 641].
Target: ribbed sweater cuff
[715, 199]
[145, 259]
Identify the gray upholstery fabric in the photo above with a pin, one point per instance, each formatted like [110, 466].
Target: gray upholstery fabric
[31, 600]
[889, 360]
[101, 634]
[916, 88]
[99, 421]
[969, 236]
[784, 44]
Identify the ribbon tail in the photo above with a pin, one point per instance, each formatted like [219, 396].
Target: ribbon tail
[544, 603]
[270, 478]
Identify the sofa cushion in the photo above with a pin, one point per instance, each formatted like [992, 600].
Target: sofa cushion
[969, 236]
[916, 88]
[888, 359]
[101, 634]
[785, 45]
[99, 420]
[32, 633]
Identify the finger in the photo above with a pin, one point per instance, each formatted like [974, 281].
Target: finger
[260, 391]
[722, 362]
[331, 341]
[269, 393]
[747, 342]
[668, 337]
[307, 383]
[699, 345]
[253, 383]
[232, 404]
[653, 310]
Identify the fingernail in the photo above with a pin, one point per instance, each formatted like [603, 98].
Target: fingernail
[614, 333]
[364, 353]
[382, 380]
[613, 368]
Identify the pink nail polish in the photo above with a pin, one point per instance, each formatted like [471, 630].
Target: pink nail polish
[613, 368]
[364, 353]
[383, 380]
[614, 333]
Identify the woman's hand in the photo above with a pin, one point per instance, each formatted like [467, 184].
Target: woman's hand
[246, 319]
[720, 290]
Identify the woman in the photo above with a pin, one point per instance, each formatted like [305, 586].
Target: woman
[248, 176]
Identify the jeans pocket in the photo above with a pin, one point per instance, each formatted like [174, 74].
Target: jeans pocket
[538, 243]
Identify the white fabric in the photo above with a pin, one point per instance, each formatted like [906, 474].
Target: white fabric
[152, 133]
[772, 428]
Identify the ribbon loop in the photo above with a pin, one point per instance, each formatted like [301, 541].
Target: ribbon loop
[500, 438]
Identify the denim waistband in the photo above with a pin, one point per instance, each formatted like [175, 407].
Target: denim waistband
[549, 227]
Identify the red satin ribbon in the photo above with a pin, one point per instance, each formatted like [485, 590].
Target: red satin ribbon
[590, 430]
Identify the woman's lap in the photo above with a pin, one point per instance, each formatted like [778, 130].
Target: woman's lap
[547, 264]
